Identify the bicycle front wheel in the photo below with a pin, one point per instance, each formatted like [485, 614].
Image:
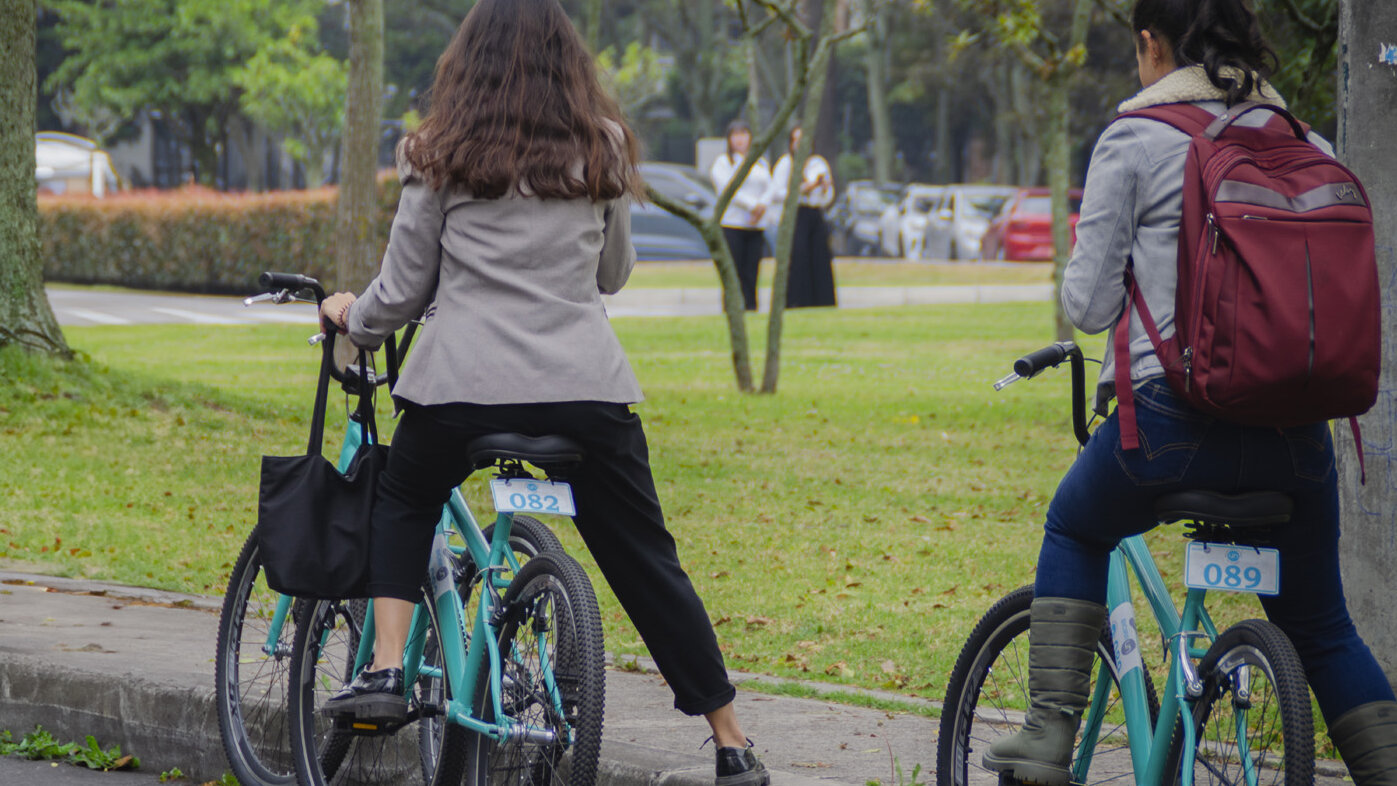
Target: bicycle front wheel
[252, 672]
[987, 696]
[425, 750]
[553, 681]
[1253, 721]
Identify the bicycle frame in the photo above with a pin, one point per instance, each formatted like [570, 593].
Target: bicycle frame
[461, 667]
[1149, 742]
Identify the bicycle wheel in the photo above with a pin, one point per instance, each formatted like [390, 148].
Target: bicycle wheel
[987, 696]
[1253, 720]
[252, 682]
[550, 619]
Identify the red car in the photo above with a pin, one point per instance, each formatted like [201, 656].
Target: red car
[1023, 229]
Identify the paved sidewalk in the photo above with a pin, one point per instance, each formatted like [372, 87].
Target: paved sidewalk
[134, 667]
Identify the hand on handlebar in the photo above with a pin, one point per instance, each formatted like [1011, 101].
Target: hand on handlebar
[335, 309]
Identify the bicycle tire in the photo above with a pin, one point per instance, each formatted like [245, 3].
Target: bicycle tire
[1262, 650]
[550, 595]
[980, 706]
[528, 537]
[251, 684]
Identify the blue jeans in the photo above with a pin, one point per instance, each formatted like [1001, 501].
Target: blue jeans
[1109, 494]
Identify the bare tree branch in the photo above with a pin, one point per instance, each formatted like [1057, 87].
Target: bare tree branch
[1302, 19]
[787, 13]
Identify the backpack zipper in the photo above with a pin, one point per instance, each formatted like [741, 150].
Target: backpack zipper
[1213, 224]
[1188, 369]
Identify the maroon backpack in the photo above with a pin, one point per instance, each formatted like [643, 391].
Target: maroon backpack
[1276, 315]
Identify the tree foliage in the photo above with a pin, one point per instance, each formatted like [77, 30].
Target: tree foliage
[176, 59]
[291, 89]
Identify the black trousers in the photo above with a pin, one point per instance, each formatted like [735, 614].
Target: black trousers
[618, 516]
[812, 264]
[746, 248]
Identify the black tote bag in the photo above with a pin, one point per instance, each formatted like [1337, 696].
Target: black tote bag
[312, 521]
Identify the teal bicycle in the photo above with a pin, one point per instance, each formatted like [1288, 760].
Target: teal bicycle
[515, 697]
[1235, 708]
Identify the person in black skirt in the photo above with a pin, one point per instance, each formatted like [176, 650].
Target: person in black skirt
[812, 263]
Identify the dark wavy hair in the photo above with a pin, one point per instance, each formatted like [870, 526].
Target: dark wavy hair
[1214, 34]
[516, 105]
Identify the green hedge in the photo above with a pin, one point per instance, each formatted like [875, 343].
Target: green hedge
[195, 239]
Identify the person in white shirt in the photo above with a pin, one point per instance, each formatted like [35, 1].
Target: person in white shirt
[744, 218]
[812, 264]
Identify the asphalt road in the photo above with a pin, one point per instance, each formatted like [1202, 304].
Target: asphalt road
[20, 772]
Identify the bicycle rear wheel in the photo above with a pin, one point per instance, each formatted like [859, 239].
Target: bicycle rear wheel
[251, 681]
[1253, 721]
[987, 696]
[551, 626]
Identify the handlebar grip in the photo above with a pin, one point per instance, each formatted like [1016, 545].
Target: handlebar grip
[1034, 362]
[292, 281]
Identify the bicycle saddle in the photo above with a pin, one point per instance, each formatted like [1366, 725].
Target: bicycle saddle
[1252, 509]
[549, 452]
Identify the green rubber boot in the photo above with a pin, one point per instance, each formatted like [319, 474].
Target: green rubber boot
[1366, 737]
[1062, 638]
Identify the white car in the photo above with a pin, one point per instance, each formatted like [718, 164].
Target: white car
[902, 226]
[959, 220]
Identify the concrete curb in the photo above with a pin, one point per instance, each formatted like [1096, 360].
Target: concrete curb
[161, 706]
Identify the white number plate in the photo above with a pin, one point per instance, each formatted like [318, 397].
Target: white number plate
[1217, 566]
[522, 495]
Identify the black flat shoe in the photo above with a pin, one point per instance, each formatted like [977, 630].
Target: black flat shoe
[373, 697]
[741, 767]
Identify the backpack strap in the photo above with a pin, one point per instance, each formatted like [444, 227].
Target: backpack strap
[1188, 118]
[1358, 443]
[1125, 392]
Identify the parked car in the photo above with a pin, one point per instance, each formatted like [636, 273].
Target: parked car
[853, 218]
[681, 183]
[901, 227]
[1023, 230]
[68, 164]
[959, 220]
[659, 235]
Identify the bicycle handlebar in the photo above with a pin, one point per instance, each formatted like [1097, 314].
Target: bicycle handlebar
[351, 378]
[1052, 356]
[292, 281]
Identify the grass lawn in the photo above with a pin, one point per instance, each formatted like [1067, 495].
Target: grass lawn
[854, 272]
[849, 529]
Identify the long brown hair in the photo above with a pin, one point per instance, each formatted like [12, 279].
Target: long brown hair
[516, 105]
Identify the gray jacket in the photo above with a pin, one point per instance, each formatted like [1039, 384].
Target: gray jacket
[1131, 208]
[512, 289]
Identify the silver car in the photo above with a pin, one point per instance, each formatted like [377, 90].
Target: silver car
[959, 220]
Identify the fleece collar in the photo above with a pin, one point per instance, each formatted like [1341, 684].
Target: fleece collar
[1190, 83]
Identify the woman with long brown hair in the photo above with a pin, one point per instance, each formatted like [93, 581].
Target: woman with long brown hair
[514, 220]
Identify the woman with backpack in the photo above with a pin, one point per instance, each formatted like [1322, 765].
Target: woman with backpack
[1209, 54]
[514, 219]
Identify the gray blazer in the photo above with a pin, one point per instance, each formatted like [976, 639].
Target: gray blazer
[514, 288]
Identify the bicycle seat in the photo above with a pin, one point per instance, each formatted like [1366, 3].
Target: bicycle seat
[1252, 509]
[550, 452]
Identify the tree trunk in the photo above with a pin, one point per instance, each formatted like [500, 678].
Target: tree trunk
[592, 25]
[879, 113]
[813, 70]
[26, 320]
[1367, 114]
[356, 249]
[244, 137]
[947, 155]
[1059, 154]
[733, 307]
